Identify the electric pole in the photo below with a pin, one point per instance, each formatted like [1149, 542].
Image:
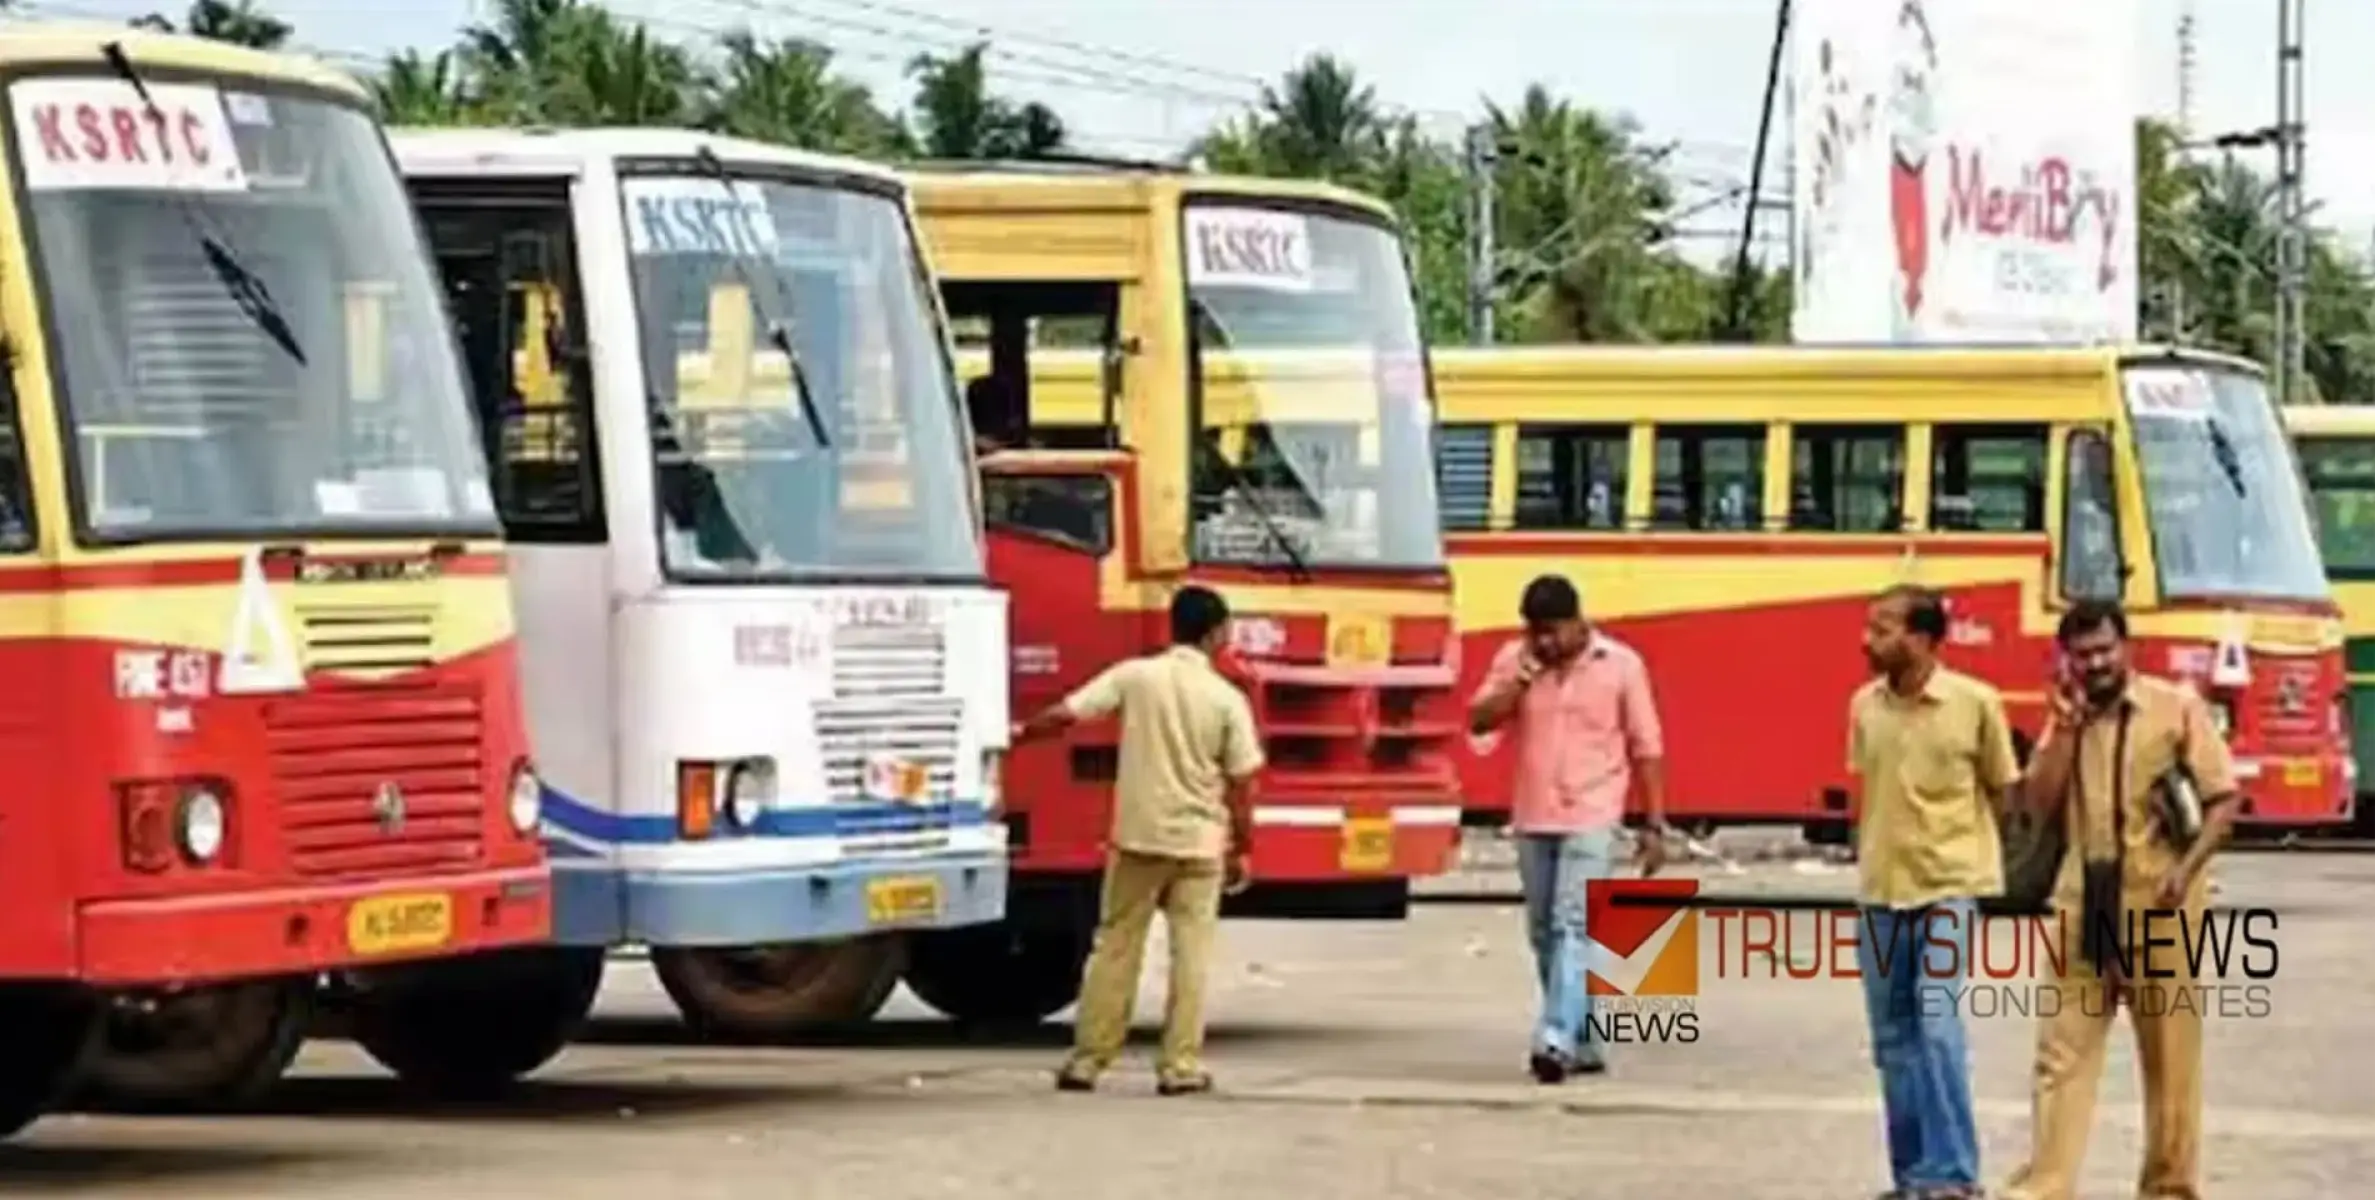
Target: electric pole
[1483, 159]
[2291, 205]
[1736, 316]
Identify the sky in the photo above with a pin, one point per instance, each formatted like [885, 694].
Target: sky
[1140, 77]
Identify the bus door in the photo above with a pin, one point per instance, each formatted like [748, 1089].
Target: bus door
[1053, 519]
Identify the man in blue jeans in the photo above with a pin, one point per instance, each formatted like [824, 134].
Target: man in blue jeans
[1577, 705]
[1933, 754]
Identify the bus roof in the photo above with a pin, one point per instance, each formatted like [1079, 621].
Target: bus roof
[477, 151]
[2331, 420]
[83, 43]
[1110, 184]
[1734, 361]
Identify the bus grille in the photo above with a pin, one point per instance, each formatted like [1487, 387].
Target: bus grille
[374, 640]
[2294, 708]
[334, 749]
[879, 661]
[922, 731]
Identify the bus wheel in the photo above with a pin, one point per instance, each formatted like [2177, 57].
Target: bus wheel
[1002, 974]
[203, 1049]
[470, 1027]
[783, 989]
[46, 1031]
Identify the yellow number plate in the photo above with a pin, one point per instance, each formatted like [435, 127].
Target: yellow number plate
[2302, 772]
[1368, 844]
[393, 924]
[890, 901]
[1360, 641]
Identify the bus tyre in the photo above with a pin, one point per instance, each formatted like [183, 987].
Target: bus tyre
[1002, 974]
[471, 1027]
[46, 1031]
[762, 993]
[200, 1050]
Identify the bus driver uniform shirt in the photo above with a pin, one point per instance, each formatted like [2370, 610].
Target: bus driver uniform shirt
[1185, 733]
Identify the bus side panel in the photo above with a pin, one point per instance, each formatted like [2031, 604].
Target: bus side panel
[2357, 599]
[1752, 656]
[562, 596]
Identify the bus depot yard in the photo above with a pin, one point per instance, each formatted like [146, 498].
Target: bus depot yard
[1355, 1058]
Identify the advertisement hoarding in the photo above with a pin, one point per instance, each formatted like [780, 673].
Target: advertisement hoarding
[1964, 170]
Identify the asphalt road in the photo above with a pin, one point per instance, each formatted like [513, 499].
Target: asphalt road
[1372, 1060]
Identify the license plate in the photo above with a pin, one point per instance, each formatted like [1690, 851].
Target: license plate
[890, 901]
[393, 924]
[1360, 641]
[2302, 772]
[1368, 844]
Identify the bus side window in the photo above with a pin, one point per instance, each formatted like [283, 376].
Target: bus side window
[1847, 478]
[1571, 476]
[1464, 476]
[1710, 477]
[1076, 510]
[510, 272]
[2090, 522]
[2341, 473]
[1987, 478]
[16, 490]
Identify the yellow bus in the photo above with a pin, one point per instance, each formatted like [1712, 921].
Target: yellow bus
[1262, 425]
[1730, 511]
[2336, 445]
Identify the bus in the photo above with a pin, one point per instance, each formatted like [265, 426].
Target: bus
[2336, 446]
[1240, 399]
[263, 711]
[1731, 511]
[762, 658]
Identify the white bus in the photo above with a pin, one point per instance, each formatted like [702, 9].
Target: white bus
[765, 672]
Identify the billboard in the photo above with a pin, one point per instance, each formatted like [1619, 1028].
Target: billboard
[1964, 170]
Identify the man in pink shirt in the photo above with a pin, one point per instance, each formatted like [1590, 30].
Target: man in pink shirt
[1583, 724]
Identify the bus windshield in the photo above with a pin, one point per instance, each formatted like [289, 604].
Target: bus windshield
[244, 329]
[2220, 486]
[2341, 473]
[1310, 385]
[771, 311]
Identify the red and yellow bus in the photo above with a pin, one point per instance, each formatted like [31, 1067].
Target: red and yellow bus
[262, 716]
[1731, 511]
[1213, 381]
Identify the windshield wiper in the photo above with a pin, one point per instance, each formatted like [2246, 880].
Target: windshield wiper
[778, 335]
[245, 287]
[1241, 483]
[2222, 449]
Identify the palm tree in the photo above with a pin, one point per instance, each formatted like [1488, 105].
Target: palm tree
[785, 92]
[961, 118]
[240, 22]
[412, 90]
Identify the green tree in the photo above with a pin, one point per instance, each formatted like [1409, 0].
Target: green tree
[241, 22]
[416, 90]
[786, 92]
[959, 117]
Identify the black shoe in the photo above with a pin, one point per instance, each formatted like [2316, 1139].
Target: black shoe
[1547, 1067]
[1184, 1085]
[1066, 1081]
[1595, 1066]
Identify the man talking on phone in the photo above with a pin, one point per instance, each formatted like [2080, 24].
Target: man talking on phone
[1182, 828]
[1932, 752]
[1584, 727]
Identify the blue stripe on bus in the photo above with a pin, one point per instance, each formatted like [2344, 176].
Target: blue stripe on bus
[570, 817]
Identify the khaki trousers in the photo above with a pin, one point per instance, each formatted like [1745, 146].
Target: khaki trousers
[2072, 1033]
[1136, 885]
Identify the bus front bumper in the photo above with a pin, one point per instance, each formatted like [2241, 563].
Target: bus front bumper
[303, 930]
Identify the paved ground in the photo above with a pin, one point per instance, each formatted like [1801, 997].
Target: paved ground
[1359, 1060]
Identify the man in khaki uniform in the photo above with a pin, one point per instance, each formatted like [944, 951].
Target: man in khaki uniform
[1182, 826]
[1932, 754]
[2077, 771]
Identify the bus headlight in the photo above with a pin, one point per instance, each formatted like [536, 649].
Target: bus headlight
[526, 804]
[750, 788]
[993, 779]
[200, 824]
